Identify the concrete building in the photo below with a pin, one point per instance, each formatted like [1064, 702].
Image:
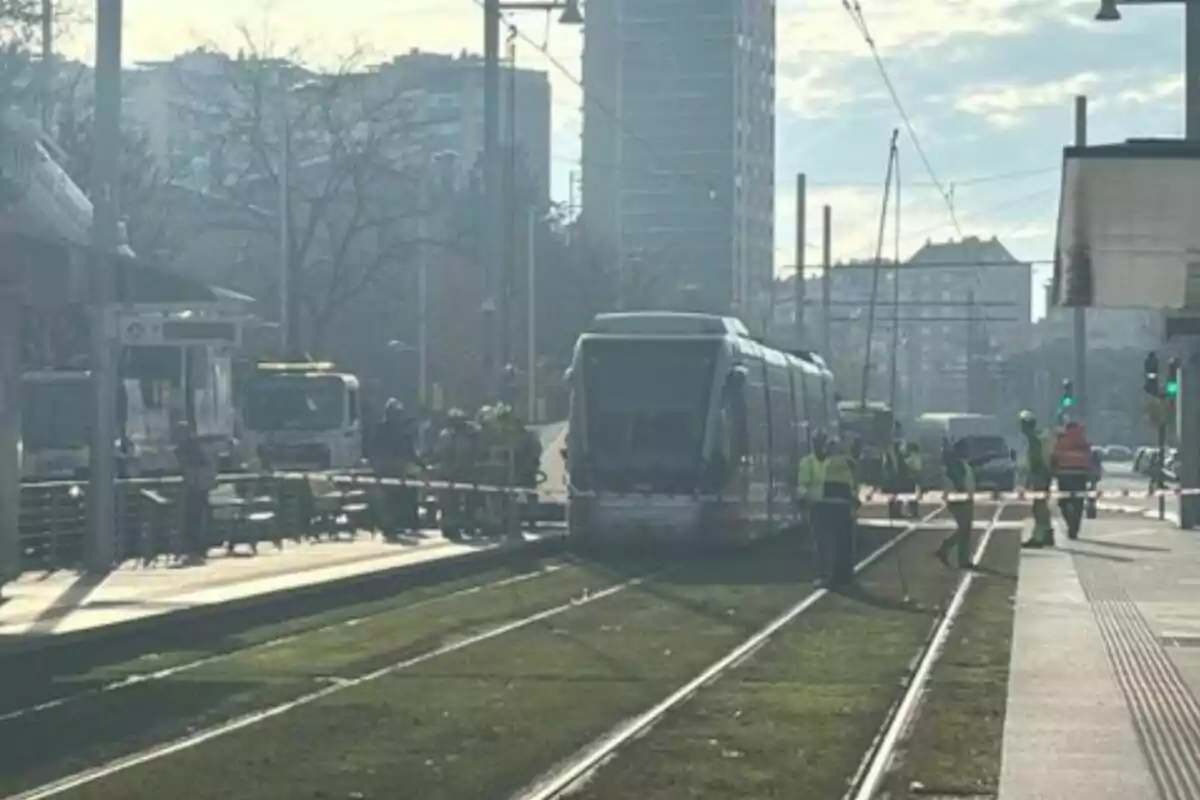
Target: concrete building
[968, 304]
[182, 106]
[1107, 328]
[965, 307]
[443, 98]
[678, 143]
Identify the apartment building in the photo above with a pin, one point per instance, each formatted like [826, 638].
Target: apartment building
[678, 145]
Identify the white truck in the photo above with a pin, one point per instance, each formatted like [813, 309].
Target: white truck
[303, 416]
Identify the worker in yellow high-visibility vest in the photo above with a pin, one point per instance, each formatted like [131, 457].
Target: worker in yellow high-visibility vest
[829, 486]
[810, 487]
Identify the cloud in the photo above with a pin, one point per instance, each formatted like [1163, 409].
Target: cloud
[1153, 92]
[809, 27]
[1005, 106]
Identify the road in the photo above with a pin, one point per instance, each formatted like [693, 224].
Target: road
[1120, 476]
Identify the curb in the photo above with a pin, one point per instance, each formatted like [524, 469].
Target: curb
[403, 575]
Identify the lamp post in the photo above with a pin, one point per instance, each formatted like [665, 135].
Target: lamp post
[1189, 396]
[100, 542]
[493, 210]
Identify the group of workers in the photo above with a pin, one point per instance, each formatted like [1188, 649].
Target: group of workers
[1067, 458]
[494, 448]
[829, 491]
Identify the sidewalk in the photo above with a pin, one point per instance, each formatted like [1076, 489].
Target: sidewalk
[1105, 670]
[38, 605]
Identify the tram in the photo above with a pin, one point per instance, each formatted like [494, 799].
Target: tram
[684, 428]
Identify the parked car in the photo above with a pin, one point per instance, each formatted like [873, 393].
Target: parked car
[1116, 452]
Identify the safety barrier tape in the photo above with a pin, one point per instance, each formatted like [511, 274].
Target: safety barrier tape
[869, 497]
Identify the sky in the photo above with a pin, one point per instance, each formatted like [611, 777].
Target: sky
[987, 86]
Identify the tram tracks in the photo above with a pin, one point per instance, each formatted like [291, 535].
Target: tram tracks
[137, 678]
[476, 715]
[110, 718]
[879, 759]
[805, 707]
[566, 776]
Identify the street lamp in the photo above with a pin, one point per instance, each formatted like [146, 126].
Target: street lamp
[1189, 401]
[1108, 11]
[493, 237]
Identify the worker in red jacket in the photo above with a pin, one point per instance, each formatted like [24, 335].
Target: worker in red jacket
[1071, 461]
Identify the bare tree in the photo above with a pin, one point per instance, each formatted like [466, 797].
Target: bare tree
[323, 148]
[21, 33]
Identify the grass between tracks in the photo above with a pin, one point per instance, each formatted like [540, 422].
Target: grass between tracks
[105, 725]
[28, 682]
[954, 746]
[481, 722]
[795, 720]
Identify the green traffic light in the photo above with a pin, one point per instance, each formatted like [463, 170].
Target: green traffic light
[1172, 388]
[1067, 401]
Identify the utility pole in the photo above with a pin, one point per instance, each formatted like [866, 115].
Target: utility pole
[510, 227]
[423, 294]
[801, 290]
[894, 363]
[287, 321]
[100, 547]
[1189, 395]
[493, 235]
[826, 280]
[47, 66]
[492, 248]
[1080, 312]
[531, 311]
[887, 188]
[970, 352]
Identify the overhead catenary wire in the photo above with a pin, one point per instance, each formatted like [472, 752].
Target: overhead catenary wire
[895, 349]
[854, 9]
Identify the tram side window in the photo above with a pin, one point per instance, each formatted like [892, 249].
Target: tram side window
[756, 422]
[352, 398]
[782, 422]
[803, 429]
[737, 434]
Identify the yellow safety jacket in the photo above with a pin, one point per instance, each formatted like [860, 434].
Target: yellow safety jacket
[915, 466]
[840, 470]
[811, 478]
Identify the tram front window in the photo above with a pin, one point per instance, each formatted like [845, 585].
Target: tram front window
[647, 403]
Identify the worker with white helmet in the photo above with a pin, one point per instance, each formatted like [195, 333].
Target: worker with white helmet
[1038, 476]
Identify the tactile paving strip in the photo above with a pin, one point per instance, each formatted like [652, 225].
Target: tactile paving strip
[1165, 712]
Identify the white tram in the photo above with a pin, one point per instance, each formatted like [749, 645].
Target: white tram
[683, 427]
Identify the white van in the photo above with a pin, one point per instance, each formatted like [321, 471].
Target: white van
[987, 450]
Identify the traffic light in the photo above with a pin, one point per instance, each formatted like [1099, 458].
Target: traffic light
[1171, 388]
[1150, 381]
[1067, 401]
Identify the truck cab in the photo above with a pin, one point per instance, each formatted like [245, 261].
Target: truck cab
[303, 416]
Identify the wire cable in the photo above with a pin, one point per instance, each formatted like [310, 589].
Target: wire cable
[854, 9]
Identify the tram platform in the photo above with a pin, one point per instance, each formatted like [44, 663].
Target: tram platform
[1104, 685]
[38, 609]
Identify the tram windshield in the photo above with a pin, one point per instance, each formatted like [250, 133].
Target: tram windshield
[647, 403]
